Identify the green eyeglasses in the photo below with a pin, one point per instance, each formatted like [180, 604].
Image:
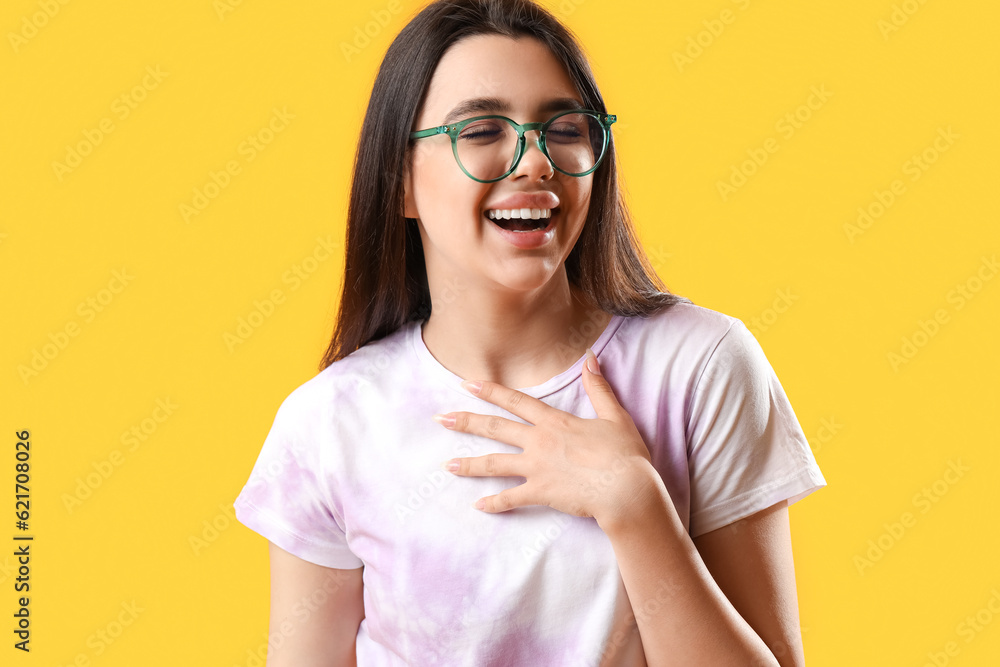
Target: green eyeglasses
[489, 148]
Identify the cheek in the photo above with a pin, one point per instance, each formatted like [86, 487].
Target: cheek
[432, 181]
[581, 192]
[447, 200]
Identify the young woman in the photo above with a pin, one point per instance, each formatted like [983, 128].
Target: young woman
[623, 459]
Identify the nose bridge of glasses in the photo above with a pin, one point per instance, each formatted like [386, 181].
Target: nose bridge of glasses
[536, 140]
[534, 127]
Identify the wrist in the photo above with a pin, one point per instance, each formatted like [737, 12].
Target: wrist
[639, 491]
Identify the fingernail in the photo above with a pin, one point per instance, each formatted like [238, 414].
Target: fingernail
[450, 465]
[480, 504]
[444, 420]
[474, 387]
[592, 364]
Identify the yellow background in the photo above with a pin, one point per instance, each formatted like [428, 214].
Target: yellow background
[890, 430]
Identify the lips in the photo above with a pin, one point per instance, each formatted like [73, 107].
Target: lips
[528, 240]
[523, 211]
[541, 199]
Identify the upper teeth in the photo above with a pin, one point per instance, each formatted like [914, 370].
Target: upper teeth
[524, 213]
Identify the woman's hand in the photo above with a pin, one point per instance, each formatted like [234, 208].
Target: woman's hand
[586, 467]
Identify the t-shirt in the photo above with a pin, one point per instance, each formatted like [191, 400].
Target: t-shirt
[349, 476]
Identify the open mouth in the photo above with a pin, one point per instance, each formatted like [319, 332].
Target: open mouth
[522, 220]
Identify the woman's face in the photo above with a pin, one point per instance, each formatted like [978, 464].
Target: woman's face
[523, 78]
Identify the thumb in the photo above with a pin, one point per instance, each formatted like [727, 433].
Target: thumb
[602, 396]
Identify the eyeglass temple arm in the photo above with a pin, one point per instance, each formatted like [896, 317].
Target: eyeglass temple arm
[420, 134]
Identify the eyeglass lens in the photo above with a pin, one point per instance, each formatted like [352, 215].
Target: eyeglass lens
[487, 147]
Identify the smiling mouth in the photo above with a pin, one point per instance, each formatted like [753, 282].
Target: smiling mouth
[522, 220]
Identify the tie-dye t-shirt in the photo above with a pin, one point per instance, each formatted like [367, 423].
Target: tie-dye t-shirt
[349, 476]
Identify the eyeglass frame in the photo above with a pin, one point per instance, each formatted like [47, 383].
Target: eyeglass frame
[606, 121]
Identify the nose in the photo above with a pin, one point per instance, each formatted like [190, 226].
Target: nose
[534, 164]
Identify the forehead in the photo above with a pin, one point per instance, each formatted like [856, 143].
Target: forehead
[522, 70]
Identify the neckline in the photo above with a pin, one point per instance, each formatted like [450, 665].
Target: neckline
[553, 384]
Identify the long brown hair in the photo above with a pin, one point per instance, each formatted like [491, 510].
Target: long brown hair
[385, 279]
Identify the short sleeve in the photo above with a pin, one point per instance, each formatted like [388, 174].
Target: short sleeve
[285, 498]
[746, 449]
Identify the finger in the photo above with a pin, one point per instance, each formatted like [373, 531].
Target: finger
[490, 465]
[493, 427]
[507, 499]
[602, 396]
[513, 401]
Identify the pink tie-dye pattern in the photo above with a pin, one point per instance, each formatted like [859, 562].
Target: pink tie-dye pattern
[446, 584]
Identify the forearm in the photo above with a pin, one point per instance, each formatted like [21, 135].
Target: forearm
[682, 615]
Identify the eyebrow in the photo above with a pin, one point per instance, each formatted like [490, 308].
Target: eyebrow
[496, 105]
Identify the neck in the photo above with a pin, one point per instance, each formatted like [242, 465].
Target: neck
[515, 338]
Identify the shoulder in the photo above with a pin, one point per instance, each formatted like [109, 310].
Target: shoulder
[354, 380]
[683, 327]
[690, 353]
